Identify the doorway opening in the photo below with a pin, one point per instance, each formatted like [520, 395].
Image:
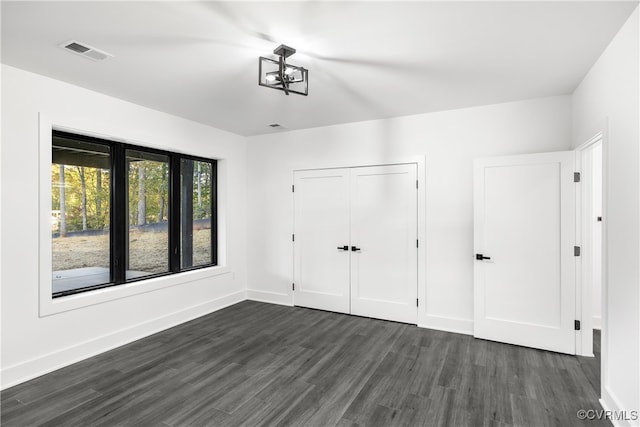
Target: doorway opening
[591, 220]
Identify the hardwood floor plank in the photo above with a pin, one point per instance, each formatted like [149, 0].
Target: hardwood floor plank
[235, 397]
[337, 396]
[445, 407]
[247, 410]
[280, 403]
[415, 411]
[380, 416]
[38, 413]
[261, 364]
[367, 400]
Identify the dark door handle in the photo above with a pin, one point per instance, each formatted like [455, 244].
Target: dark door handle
[353, 248]
[480, 257]
[343, 248]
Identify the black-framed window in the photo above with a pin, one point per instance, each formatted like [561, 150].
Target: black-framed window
[122, 213]
[196, 212]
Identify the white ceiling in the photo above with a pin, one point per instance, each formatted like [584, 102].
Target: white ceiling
[366, 60]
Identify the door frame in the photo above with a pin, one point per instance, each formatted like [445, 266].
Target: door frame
[584, 337]
[420, 162]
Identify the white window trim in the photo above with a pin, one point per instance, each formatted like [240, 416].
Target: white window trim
[47, 304]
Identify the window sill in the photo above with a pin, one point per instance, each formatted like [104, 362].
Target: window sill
[50, 306]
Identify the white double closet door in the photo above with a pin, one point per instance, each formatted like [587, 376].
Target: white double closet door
[355, 241]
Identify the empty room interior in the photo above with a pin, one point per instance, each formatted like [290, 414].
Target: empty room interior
[320, 213]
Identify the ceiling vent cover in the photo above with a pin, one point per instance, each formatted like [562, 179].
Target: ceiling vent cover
[85, 50]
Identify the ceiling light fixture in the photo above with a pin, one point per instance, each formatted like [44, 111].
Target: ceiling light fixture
[277, 74]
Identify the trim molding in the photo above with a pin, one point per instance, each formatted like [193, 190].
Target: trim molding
[448, 324]
[269, 297]
[27, 370]
[596, 322]
[610, 404]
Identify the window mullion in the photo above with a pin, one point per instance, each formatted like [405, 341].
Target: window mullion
[174, 214]
[119, 215]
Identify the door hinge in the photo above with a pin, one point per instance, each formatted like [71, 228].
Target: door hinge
[293, 286]
[416, 243]
[293, 237]
[576, 325]
[416, 183]
[576, 251]
[293, 188]
[416, 302]
[576, 177]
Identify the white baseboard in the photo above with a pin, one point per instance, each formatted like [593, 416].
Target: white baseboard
[41, 365]
[448, 324]
[596, 322]
[611, 404]
[270, 297]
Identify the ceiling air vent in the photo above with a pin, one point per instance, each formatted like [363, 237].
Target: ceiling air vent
[85, 50]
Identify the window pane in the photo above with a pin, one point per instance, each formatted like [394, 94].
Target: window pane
[148, 206]
[80, 213]
[195, 211]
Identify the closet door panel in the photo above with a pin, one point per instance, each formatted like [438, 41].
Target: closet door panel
[383, 242]
[321, 246]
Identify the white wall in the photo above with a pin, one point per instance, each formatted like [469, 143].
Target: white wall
[32, 345]
[450, 141]
[610, 94]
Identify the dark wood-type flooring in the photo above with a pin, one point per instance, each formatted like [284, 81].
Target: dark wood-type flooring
[262, 364]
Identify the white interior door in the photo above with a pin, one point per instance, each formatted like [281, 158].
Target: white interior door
[321, 249]
[383, 234]
[524, 222]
